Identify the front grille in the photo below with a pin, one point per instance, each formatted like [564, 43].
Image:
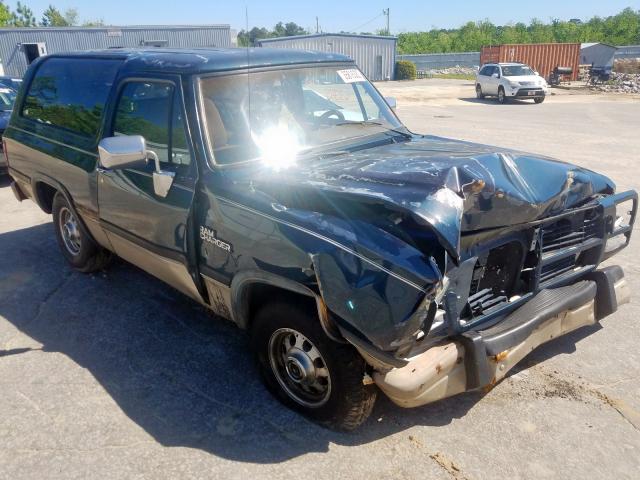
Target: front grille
[558, 249]
[564, 240]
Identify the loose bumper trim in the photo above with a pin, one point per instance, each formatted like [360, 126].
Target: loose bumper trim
[473, 361]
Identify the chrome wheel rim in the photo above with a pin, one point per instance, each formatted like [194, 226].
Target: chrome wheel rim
[299, 368]
[70, 231]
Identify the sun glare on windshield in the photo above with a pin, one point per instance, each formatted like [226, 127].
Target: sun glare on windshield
[272, 115]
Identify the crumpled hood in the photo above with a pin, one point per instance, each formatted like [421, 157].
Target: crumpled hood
[452, 186]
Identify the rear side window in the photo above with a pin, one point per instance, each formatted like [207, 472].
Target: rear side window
[71, 93]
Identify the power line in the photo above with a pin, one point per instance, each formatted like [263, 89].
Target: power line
[366, 23]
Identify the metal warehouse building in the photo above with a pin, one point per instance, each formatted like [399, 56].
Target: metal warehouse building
[597, 54]
[375, 55]
[20, 46]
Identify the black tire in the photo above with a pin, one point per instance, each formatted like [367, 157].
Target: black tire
[479, 94]
[502, 97]
[538, 100]
[348, 402]
[77, 248]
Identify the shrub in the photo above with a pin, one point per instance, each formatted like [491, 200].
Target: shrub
[405, 70]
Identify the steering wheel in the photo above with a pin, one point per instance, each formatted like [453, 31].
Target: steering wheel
[330, 113]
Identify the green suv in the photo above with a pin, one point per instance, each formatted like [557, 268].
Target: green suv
[280, 190]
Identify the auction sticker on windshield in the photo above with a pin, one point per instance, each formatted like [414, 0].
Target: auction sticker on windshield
[351, 75]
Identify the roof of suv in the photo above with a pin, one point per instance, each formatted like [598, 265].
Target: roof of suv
[202, 60]
[505, 64]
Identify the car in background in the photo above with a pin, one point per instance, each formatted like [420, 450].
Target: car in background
[7, 99]
[10, 82]
[510, 80]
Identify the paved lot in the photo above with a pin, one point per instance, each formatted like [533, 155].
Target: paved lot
[117, 376]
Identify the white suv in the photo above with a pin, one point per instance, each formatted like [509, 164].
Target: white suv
[510, 80]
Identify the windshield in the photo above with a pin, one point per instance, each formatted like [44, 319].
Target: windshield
[516, 70]
[7, 99]
[276, 115]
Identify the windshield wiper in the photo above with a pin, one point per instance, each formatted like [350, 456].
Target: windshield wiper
[359, 122]
[379, 124]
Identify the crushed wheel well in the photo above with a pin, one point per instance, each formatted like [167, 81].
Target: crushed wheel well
[44, 194]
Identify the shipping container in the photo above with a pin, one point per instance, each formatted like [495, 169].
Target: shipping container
[375, 55]
[543, 57]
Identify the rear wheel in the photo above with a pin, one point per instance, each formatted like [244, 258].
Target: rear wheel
[538, 100]
[77, 247]
[479, 94]
[309, 372]
[502, 97]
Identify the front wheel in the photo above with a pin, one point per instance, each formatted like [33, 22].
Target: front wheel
[538, 100]
[77, 247]
[479, 94]
[309, 372]
[502, 97]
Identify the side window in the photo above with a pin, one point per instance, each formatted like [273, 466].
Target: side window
[70, 93]
[485, 71]
[152, 109]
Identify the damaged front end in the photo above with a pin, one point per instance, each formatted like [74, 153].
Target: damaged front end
[435, 258]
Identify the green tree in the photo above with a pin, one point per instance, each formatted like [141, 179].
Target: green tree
[23, 16]
[52, 17]
[290, 29]
[5, 14]
[98, 22]
[620, 29]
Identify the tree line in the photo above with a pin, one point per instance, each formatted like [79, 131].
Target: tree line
[620, 29]
[23, 16]
[248, 37]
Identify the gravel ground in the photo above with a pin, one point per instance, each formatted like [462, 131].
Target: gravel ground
[116, 375]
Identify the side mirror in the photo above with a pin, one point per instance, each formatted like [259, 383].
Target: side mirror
[122, 152]
[535, 72]
[130, 151]
[391, 101]
[496, 75]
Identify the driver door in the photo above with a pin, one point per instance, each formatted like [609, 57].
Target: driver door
[143, 227]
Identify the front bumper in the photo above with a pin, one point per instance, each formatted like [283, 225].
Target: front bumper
[481, 358]
[527, 92]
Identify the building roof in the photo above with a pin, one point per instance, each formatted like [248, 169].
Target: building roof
[591, 44]
[112, 27]
[316, 35]
[202, 60]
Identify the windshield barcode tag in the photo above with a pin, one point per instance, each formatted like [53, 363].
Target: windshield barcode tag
[351, 75]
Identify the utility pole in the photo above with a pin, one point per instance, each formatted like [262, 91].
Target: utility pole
[385, 12]
[317, 26]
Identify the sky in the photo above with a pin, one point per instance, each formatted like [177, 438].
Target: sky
[334, 15]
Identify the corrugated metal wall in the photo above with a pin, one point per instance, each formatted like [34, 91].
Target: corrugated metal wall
[375, 56]
[78, 38]
[543, 57]
[600, 55]
[627, 51]
[433, 61]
